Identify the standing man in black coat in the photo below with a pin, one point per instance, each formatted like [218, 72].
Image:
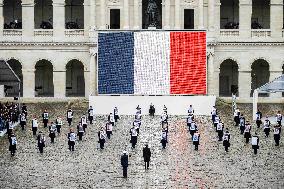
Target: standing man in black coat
[124, 163]
[146, 156]
[45, 118]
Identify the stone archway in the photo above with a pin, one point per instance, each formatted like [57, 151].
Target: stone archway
[75, 82]
[44, 79]
[13, 89]
[259, 75]
[228, 78]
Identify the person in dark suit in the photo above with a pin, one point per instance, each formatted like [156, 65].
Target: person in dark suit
[146, 156]
[124, 163]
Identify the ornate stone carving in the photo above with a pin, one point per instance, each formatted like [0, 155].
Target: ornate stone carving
[113, 2]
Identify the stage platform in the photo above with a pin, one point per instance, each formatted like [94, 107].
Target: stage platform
[177, 105]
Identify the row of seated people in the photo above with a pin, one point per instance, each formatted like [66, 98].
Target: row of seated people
[234, 25]
[44, 25]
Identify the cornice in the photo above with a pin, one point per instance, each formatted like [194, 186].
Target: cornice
[71, 44]
[245, 43]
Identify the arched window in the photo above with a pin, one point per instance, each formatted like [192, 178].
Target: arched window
[75, 82]
[259, 75]
[44, 79]
[228, 78]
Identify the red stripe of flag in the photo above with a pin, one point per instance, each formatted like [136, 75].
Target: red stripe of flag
[188, 63]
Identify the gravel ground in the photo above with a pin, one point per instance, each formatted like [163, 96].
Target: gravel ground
[178, 166]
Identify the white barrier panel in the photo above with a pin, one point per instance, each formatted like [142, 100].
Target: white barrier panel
[177, 105]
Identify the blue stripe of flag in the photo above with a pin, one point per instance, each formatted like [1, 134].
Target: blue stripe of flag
[116, 63]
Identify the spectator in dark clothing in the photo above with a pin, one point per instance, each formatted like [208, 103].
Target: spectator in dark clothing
[124, 163]
[146, 156]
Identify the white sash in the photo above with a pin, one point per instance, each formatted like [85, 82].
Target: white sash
[247, 128]
[213, 112]
[81, 129]
[276, 131]
[83, 120]
[226, 137]
[91, 112]
[164, 135]
[14, 140]
[216, 119]
[59, 121]
[72, 137]
[219, 126]
[45, 115]
[111, 118]
[195, 137]
[109, 127]
[69, 114]
[133, 132]
[192, 127]
[278, 117]
[102, 135]
[34, 123]
[23, 118]
[254, 140]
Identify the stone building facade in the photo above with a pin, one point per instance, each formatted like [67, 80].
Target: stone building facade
[54, 48]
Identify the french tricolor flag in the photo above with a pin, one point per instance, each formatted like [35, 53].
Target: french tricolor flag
[152, 62]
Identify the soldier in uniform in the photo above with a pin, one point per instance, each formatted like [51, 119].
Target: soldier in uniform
[52, 130]
[279, 118]
[115, 113]
[217, 120]
[165, 109]
[190, 110]
[266, 126]
[23, 121]
[124, 163]
[45, 118]
[102, 138]
[220, 128]
[71, 140]
[13, 143]
[34, 126]
[59, 124]
[258, 118]
[247, 134]
[69, 116]
[237, 117]
[133, 134]
[192, 128]
[226, 140]
[195, 140]
[189, 120]
[111, 119]
[80, 131]
[41, 142]
[164, 139]
[213, 114]
[152, 110]
[276, 132]
[242, 124]
[91, 114]
[108, 129]
[255, 143]
[84, 122]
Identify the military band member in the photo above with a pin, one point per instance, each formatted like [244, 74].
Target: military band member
[279, 118]
[165, 109]
[226, 140]
[152, 110]
[84, 122]
[41, 142]
[195, 140]
[80, 131]
[91, 114]
[189, 120]
[237, 117]
[276, 132]
[217, 120]
[71, 140]
[108, 129]
[138, 116]
[258, 118]
[10, 128]
[164, 139]
[115, 113]
[23, 121]
[111, 119]
[266, 127]
[242, 124]
[220, 128]
[190, 110]
[164, 118]
[69, 116]
[52, 130]
[45, 116]
[138, 110]
[13, 143]
[59, 124]
[213, 114]
[255, 143]
[25, 110]
[133, 134]
[34, 126]
[137, 124]
[102, 137]
[247, 130]
[192, 128]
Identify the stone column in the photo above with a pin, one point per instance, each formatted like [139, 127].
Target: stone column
[245, 12]
[167, 14]
[1, 19]
[93, 14]
[136, 15]
[87, 83]
[102, 14]
[59, 80]
[217, 16]
[244, 84]
[59, 19]
[28, 83]
[276, 18]
[87, 17]
[210, 71]
[2, 94]
[200, 14]
[28, 24]
[177, 15]
[211, 15]
[274, 75]
[126, 14]
[93, 71]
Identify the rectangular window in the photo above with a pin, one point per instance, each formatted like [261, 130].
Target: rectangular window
[114, 18]
[188, 18]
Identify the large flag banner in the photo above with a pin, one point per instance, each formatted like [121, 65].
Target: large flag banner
[152, 63]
